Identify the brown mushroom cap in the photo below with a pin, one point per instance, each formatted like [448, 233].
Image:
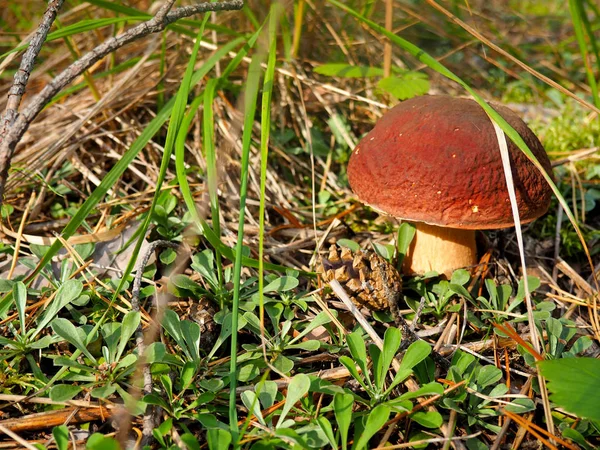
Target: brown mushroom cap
[435, 159]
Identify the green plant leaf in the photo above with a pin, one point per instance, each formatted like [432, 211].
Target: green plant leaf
[581, 25]
[342, 409]
[574, 383]
[391, 344]
[348, 71]
[250, 401]
[405, 85]
[187, 374]
[520, 405]
[218, 439]
[66, 362]
[311, 345]
[460, 277]
[130, 324]
[20, 296]
[532, 282]
[172, 325]
[65, 294]
[406, 233]
[428, 419]
[576, 437]
[64, 392]
[66, 330]
[297, 389]
[432, 388]
[283, 364]
[488, 375]
[282, 284]
[190, 441]
[267, 393]
[103, 391]
[61, 437]
[358, 350]
[348, 244]
[191, 335]
[460, 290]
[98, 441]
[416, 352]
[153, 399]
[184, 282]
[127, 361]
[320, 319]
[327, 429]
[349, 364]
[375, 421]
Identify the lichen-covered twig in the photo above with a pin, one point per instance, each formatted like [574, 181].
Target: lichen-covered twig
[16, 91]
[21, 123]
[148, 420]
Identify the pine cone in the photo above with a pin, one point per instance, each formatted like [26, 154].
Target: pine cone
[370, 280]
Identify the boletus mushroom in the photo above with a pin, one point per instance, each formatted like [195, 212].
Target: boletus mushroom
[434, 161]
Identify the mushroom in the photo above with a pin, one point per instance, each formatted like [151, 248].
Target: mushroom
[434, 161]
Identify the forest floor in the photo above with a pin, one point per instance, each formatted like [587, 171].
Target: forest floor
[91, 200]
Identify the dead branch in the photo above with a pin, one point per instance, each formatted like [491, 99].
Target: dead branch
[48, 419]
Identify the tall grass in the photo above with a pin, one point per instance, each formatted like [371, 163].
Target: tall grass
[208, 127]
[584, 33]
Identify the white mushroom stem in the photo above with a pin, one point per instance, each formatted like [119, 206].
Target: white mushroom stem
[441, 249]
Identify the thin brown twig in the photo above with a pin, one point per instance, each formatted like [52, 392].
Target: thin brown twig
[16, 438]
[539, 432]
[154, 25]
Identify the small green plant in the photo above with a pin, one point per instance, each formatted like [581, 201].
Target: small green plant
[278, 340]
[167, 224]
[25, 339]
[376, 386]
[483, 387]
[439, 293]
[499, 300]
[381, 402]
[102, 375]
[212, 287]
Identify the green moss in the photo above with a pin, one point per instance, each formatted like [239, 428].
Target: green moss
[571, 130]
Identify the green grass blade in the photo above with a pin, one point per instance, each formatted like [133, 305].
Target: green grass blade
[579, 19]
[177, 115]
[188, 197]
[250, 98]
[591, 32]
[265, 130]
[208, 142]
[115, 173]
[208, 233]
